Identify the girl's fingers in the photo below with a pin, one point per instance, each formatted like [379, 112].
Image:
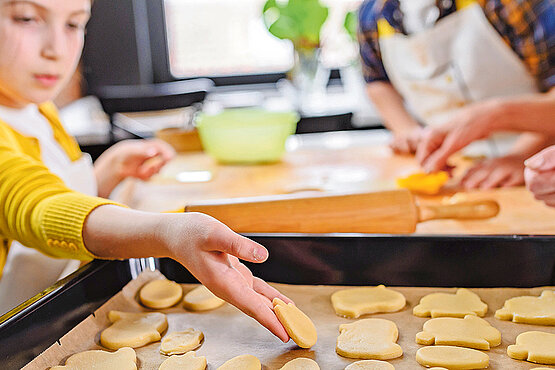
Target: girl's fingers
[261, 287]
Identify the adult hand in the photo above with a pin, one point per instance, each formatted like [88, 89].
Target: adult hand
[406, 142]
[211, 252]
[540, 175]
[474, 122]
[495, 172]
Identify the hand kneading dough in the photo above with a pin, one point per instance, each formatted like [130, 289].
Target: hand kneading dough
[187, 361]
[452, 357]
[301, 363]
[369, 339]
[472, 332]
[359, 301]
[299, 326]
[201, 299]
[530, 310]
[534, 346]
[133, 329]
[463, 303]
[178, 343]
[159, 294]
[243, 362]
[122, 359]
[370, 365]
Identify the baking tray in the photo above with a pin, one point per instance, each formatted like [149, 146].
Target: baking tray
[338, 259]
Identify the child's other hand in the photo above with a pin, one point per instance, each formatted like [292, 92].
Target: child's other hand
[495, 172]
[540, 175]
[406, 142]
[140, 158]
[211, 252]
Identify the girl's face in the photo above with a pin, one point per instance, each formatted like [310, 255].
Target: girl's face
[40, 46]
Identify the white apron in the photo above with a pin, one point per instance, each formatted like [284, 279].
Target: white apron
[27, 271]
[461, 59]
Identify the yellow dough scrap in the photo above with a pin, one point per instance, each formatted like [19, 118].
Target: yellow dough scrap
[530, 310]
[452, 357]
[243, 362]
[160, 294]
[133, 329]
[178, 343]
[534, 346]
[472, 332]
[123, 359]
[372, 339]
[201, 299]
[463, 303]
[355, 302]
[424, 183]
[301, 363]
[370, 365]
[297, 324]
[188, 361]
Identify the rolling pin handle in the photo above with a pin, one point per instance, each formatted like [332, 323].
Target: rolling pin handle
[477, 210]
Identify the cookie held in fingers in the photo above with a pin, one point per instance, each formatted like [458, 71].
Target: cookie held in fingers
[297, 324]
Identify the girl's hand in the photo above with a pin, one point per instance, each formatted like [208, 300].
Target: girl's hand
[495, 172]
[474, 122]
[212, 252]
[540, 175]
[130, 158]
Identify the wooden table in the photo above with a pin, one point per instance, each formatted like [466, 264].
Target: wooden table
[356, 161]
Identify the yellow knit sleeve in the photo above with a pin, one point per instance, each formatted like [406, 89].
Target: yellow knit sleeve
[38, 210]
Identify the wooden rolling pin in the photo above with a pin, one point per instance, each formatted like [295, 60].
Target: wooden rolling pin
[388, 212]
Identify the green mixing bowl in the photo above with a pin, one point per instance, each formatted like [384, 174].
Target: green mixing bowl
[246, 135]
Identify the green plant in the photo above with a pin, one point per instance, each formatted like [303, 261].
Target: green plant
[351, 24]
[297, 20]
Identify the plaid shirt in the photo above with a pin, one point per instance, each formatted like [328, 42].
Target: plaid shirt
[527, 26]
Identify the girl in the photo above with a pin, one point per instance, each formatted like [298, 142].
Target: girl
[44, 177]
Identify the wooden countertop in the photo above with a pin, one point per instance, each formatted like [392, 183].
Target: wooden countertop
[356, 161]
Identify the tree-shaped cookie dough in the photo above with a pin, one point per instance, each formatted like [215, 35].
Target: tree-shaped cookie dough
[463, 303]
[133, 329]
[369, 339]
[534, 346]
[355, 302]
[122, 359]
[530, 310]
[472, 332]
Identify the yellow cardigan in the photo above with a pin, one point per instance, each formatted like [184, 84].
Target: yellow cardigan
[37, 209]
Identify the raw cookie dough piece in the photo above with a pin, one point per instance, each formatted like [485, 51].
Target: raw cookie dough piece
[123, 358]
[463, 303]
[530, 310]
[159, 294]
[534, 346]
[424, 183]
[178, 343]
[452, 357]
[370, 365]
[354, 302]
[299, 326]
[243, 362]
[187, 361]
[201, 299]
[133, 329]
[472, 332]
[301, 363]
[369, 339]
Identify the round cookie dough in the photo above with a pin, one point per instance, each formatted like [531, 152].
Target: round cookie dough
[201, 299]
[133, 329]
[178, 343]
[354, 302]
[160, 294]
[123, 359]
[452, 357]
[460, 304]
[188, 361]
[370, 365]
[243, 362]
[297, 324]
[301, 363]
[369, 339]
